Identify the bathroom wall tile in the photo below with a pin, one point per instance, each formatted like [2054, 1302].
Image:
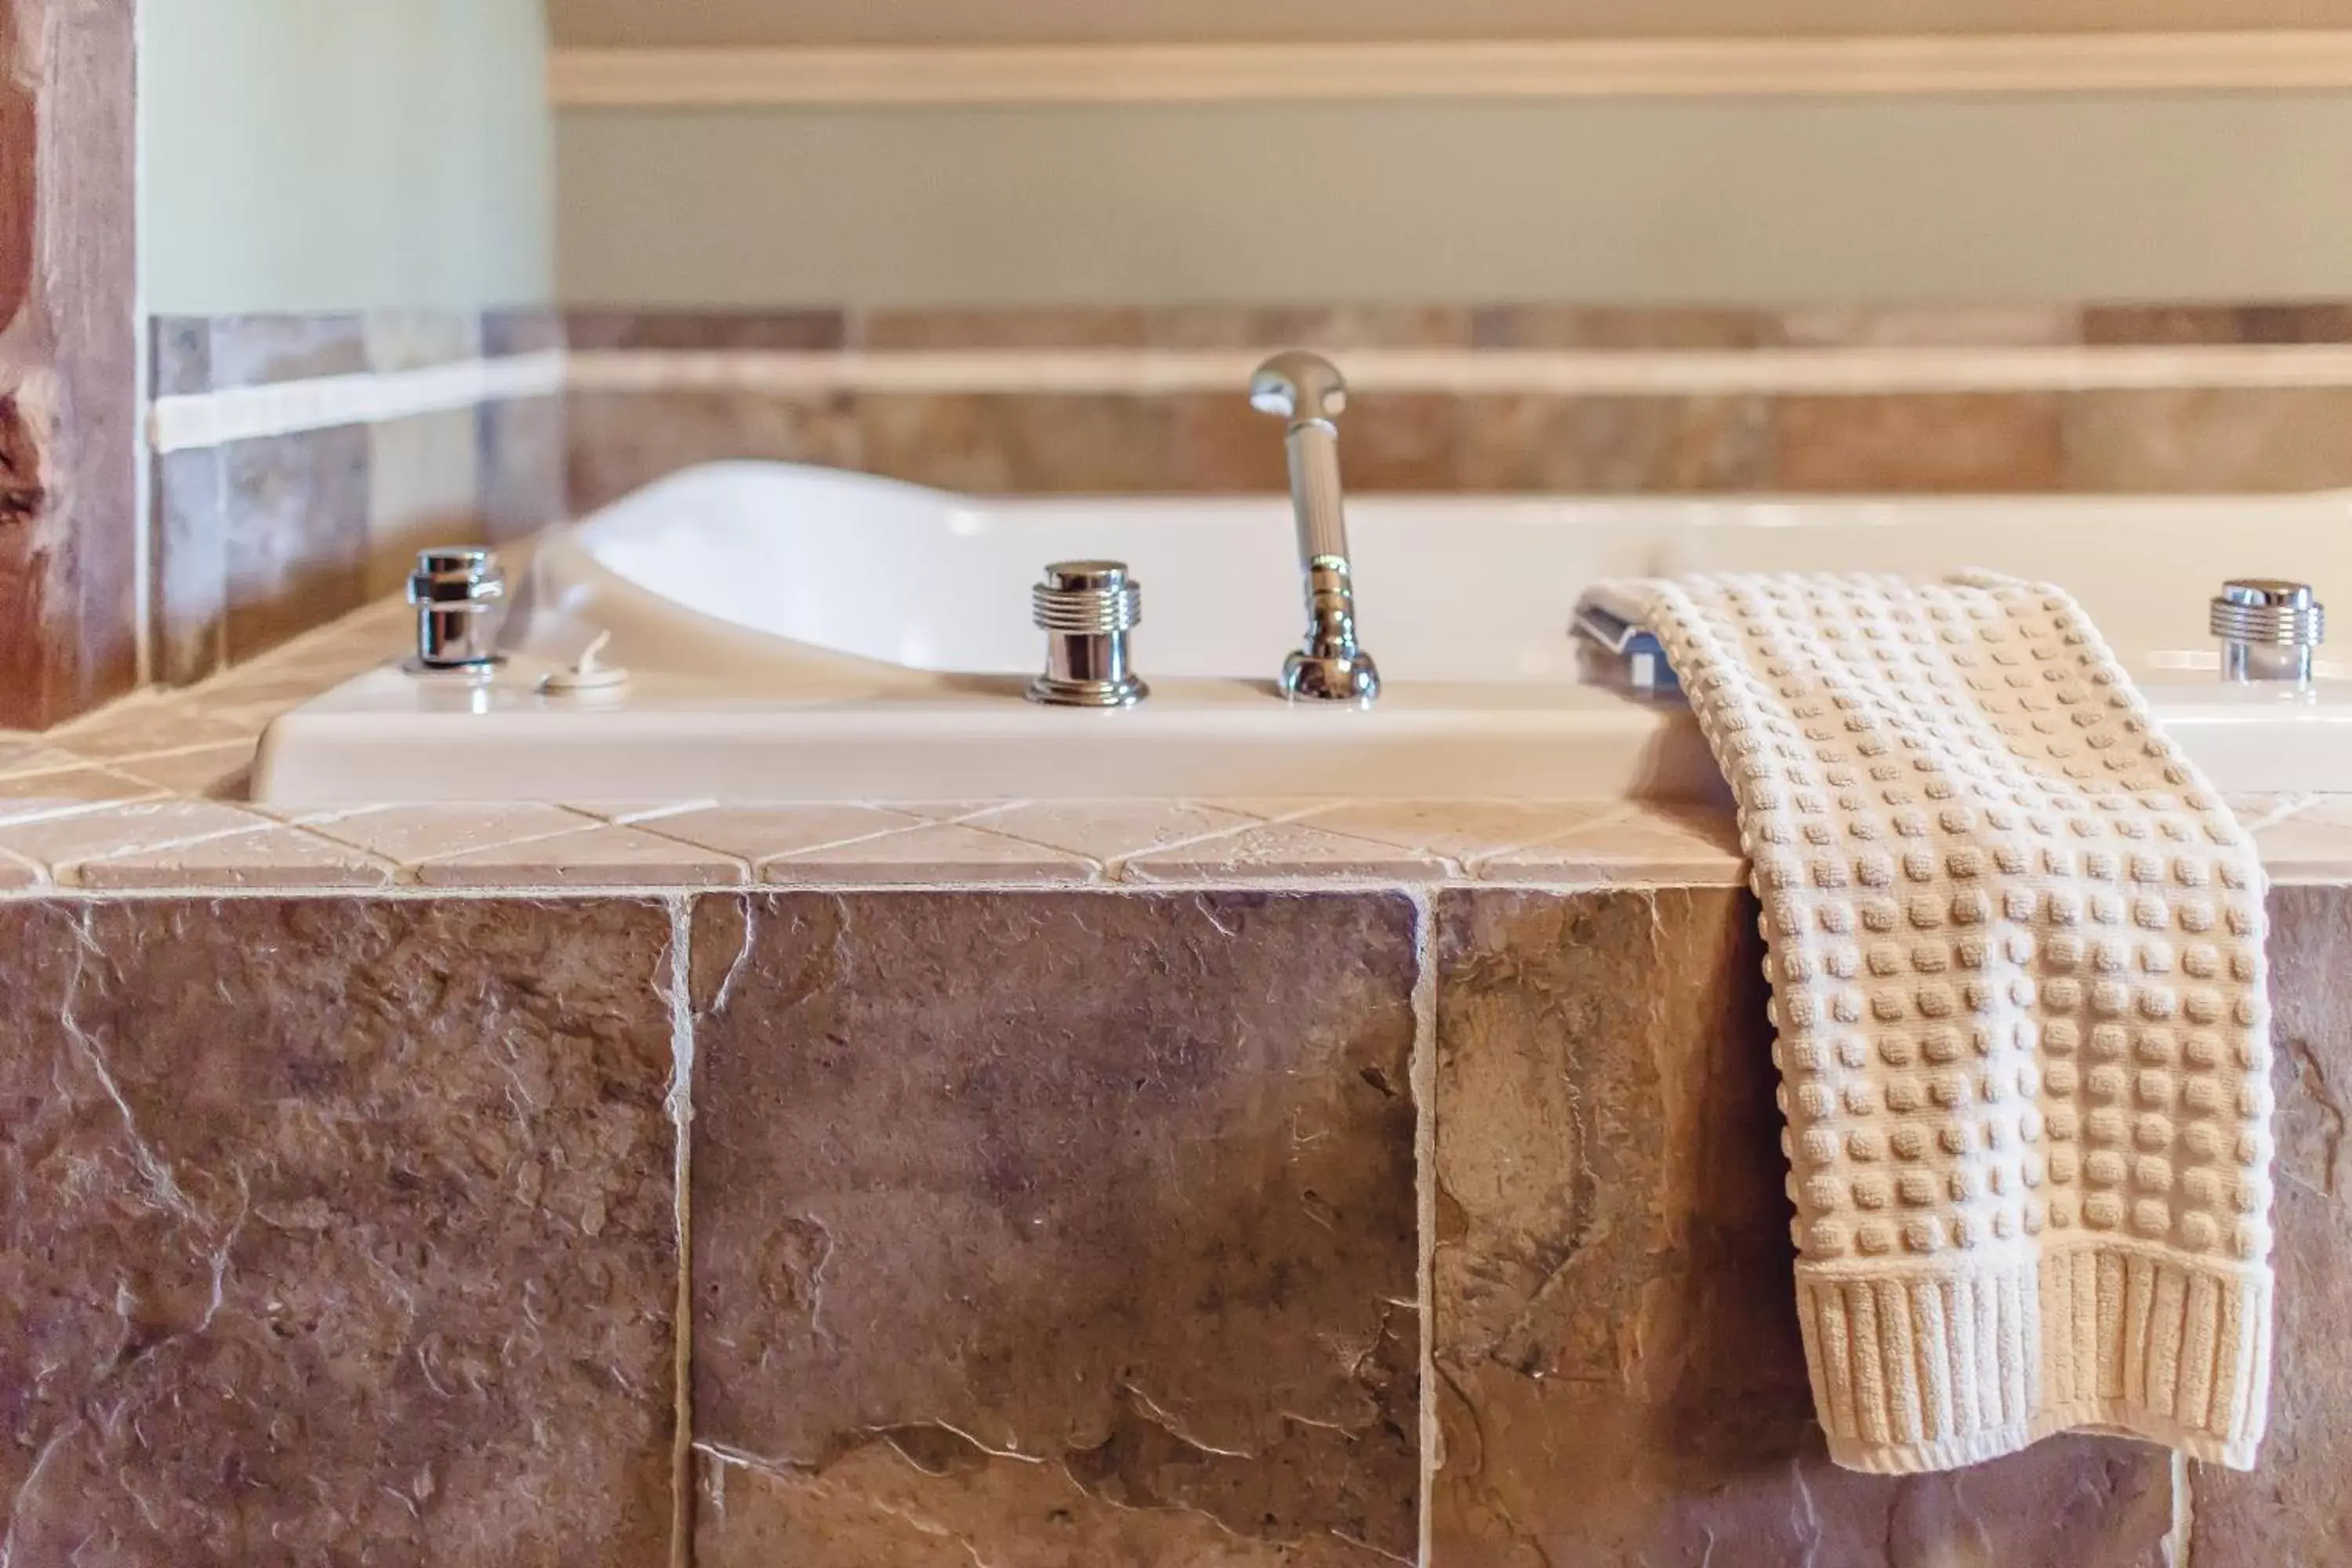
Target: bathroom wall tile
[618, 442]
[1321, 326]
[1218, 444]
[182, 362]
[1981, 326]
[1612, 327]
[263, 350]
[1016, 443]
[756, 833]
[1076, 327]
[1619, 1372]
[297, 551]
[407, 835]
[1462, 832]
[1281, 850]
[399, 340]
[276, 858]
[519, 462]
[522, 330]
[1110, 831]
[603, 856]
[694, 330]
[945, 852]
[302, 1272]
[2210, 439]
[2297, 1506]
[1971, 442]
[423, 488]
[2189, 324]
[1173, 1254]
[1613, 445]
[1638, 843]
[189, 504]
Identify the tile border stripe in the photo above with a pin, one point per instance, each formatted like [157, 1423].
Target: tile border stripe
[1852, 371]
[185, 421]
[919, 76]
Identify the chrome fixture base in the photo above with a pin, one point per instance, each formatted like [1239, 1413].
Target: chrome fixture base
[1308, 390]
[460, 599]
[1085, 609]
[2268, 630]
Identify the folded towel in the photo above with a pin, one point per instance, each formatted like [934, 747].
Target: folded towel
[2023, 1028]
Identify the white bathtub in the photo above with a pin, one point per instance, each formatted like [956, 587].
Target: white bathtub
[797, 634]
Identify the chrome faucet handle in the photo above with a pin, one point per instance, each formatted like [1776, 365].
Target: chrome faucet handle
[459, 594]
[1308, 389]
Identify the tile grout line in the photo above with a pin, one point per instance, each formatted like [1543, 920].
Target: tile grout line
[2184, 1513]
[1424, 1075]
[680, 1105]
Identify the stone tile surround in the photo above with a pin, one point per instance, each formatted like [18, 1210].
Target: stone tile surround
[1249, 1183]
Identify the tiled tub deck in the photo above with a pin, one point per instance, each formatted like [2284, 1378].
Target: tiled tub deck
[1225, 1183]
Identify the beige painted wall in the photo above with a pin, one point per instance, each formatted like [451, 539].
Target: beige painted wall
[2233, 196]
[778, 21]
[343, 155]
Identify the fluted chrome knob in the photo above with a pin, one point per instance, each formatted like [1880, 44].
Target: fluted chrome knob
[2268, 628]
[460, 598]
[1085, 608]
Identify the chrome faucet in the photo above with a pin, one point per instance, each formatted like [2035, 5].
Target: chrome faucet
[1307, 390]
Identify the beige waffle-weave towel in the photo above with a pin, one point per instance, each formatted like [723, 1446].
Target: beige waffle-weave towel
[2024, 1029]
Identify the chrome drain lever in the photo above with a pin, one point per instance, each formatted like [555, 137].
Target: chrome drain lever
[1085, 609]
[2268, 628]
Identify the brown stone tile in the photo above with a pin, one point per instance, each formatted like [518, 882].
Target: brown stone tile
[1615, 446]
[1017, 443]
[617, 442]
[183, 355]
[522, 330]
[1310, 326]
[700, 330]
[1281, 850]
[1684, 327]
[605, 855]
[521, 464]
[1928, 326]
[190, 571]
[62, 842]
[141, 726]
[263, 350]
[1621, 1375]
[407, 835]
[303, 1271]
[423, 489]
[1110, 831]
[212, 773]
[2297, 1506]
[1465, 832]
[757, 833]
[1396, 441]
[2210, 439]
[943, 852]
[273, 856]
[1903, 442]
[1640, 843]
[70, 527]
[61, 792]
[297, 542]
[1074, 327]
[2188, 324]
[1170, 1254]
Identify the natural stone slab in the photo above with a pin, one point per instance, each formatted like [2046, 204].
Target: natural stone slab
[1620, 1378]
[2297, 1506]
[336, 1231]
[1055, 1217]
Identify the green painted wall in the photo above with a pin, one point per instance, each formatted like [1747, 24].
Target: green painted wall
[2148, 195]
[343, 155]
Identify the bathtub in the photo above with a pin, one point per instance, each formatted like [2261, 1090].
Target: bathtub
[797, 634]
